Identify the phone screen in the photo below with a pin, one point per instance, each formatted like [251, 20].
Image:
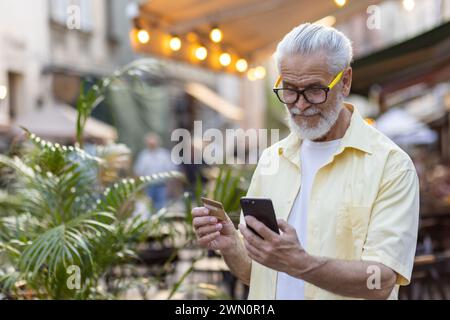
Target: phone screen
[261, 209]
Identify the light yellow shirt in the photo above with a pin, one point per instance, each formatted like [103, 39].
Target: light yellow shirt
[364, 204]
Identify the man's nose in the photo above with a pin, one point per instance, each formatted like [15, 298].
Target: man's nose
[302, 104]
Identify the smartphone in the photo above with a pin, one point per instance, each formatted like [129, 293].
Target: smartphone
[261, 209]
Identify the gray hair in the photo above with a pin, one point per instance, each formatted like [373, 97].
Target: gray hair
[310, 38]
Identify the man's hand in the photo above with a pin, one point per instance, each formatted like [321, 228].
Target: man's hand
[221, 235]
[273, 250]
[211, 233]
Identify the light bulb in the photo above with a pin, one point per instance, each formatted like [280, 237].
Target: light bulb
[260, 72]
[201, 53]
[251, 74]
[225, 59]
[3, 92]
[409, 5]
[241, 65]
[175, 43]
[143, 36]
[216, 35]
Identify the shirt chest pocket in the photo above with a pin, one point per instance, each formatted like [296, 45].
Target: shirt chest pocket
[352, 223]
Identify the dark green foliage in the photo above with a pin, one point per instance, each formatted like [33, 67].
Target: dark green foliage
[58, 215]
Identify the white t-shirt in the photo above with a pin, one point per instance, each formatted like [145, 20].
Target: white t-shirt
[313, 155]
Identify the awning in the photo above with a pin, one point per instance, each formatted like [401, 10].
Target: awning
[214, 101]
[59, 122]
[422, 59]
[251, 28]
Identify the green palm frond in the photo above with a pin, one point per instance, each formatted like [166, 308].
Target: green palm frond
[134, 229]
[87, 101]
[9, 249]
[68, 151]
[59, 181]
[9, 203]
[71, 193]
[218, 185]
[119, 246]
[117, 198]
[188, 207]
[180, 281]
[17, 164]
[18, 229]
[66, 244]
[8, 280]
[58, 197]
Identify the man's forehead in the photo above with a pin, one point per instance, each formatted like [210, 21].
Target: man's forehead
[304, 63]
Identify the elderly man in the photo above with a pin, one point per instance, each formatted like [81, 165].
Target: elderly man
[346, 197]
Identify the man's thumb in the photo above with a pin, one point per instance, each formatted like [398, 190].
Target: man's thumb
[283, 225]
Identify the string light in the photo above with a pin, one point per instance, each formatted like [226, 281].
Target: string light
[201, 53]
[251, 75]
[241, 65]
[216, 35]
[143, 36]
[409, 5]
[260, 72]
[257, 73]
[175, 43]
[3, 92]
[225, 59]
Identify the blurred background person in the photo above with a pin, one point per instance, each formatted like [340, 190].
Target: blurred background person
[154, 159]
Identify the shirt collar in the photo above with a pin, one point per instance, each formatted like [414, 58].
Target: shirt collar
[357, 137]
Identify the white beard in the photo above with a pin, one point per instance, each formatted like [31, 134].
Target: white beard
[326, 122]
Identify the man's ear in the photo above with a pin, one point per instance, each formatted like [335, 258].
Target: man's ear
[347, 81]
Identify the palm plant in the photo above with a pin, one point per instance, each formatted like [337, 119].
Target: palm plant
[64, 209]
[56, 215]
[140, 71]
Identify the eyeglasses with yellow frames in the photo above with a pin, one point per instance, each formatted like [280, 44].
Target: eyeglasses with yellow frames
[314, 95]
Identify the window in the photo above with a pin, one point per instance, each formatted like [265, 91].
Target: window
[16, 91]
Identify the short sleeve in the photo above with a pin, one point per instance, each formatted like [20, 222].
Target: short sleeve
[392, 232]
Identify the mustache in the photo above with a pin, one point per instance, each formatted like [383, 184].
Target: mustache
[308, 112]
